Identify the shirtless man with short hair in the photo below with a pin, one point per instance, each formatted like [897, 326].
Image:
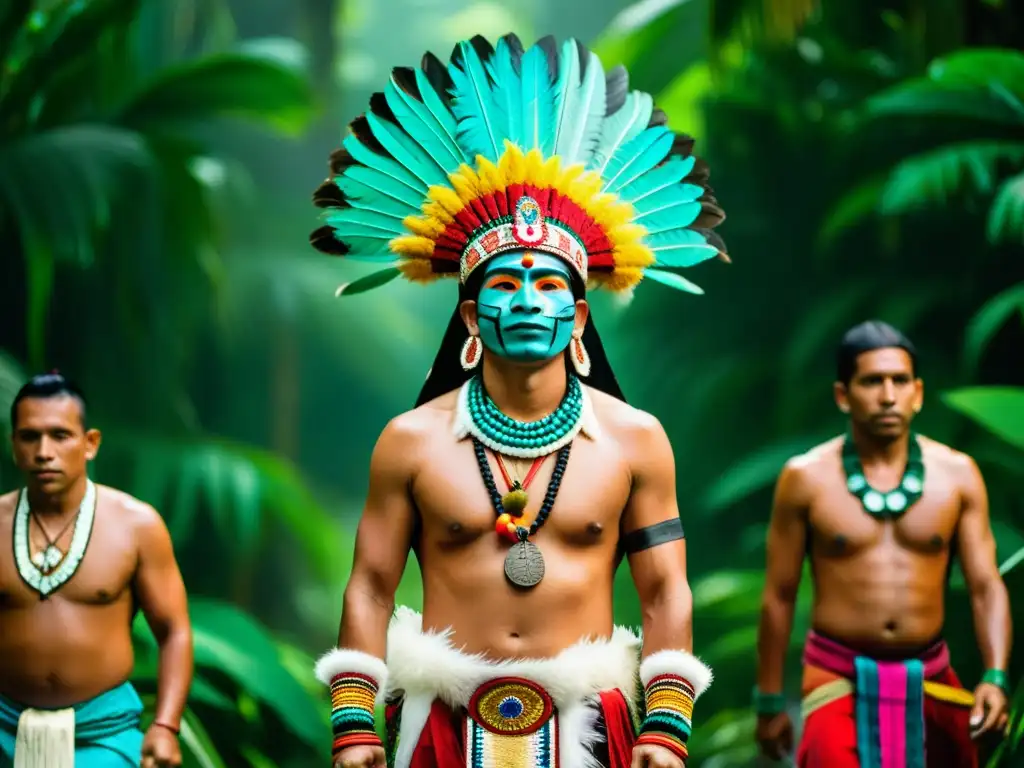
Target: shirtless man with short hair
[522, 478]
[880, 512]
[76, 561]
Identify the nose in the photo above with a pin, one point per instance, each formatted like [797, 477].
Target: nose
[526, 300]
[44, 450]
[888, 392]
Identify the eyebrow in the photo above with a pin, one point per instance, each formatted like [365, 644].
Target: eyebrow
[536, 271]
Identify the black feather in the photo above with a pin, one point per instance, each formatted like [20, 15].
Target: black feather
[340, 160]
[515, 46]
[700, 173]
[482, 46]
[439, 77]
[584, 55]
[327, 195]
[550, 48]
[616, 85]
[361, 128]
[658, 118]
[323, 240]
[405, 78]
[381, 109]
[682, 145]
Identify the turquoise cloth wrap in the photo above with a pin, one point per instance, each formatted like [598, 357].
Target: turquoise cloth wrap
[107, 729]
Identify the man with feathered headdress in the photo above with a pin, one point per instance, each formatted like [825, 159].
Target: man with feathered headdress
[530, 175]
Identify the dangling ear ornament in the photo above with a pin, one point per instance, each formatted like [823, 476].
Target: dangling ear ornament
[470, 357]
[580, 357]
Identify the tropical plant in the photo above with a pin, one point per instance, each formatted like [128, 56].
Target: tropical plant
[111, 199]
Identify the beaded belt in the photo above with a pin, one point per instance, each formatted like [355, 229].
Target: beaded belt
[511, 722]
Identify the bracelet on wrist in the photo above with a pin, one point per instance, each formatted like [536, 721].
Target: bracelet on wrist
[669, 712]
[356, 680]
[768, 703]
[998, 678]
[173, 729]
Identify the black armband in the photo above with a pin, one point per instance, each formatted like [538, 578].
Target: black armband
[653, 535]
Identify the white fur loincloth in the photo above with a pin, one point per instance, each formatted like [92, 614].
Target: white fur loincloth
[45, 738]
[425, 666]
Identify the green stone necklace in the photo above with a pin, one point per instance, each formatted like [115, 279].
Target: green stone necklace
[522, 439]
[896, 501]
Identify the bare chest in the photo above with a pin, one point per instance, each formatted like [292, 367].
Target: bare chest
[103, 576]
[456, 507]
[840, 525]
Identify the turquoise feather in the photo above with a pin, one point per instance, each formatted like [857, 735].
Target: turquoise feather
[502, 70]
[473, 105]
[683, 255]
[672, 280]
[537, 99]
[406, 151]
[624, 125]
[364, 198]
[580, 105]
[670, 216]
[664, 179]
[370, 182]
[637, 157]
[445, 119]
[422, 126]
[384, 165]
[362, 223]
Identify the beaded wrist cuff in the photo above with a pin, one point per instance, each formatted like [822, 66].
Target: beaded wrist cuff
[997, 678]
[356, 680]
[669, 712]
[672, 682]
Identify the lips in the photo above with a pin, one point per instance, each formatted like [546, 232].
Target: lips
[527, 327]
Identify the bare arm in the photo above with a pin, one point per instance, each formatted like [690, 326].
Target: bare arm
[383, 540]
[787, 536]
[659, 573]
[164, 603]
[989, 599]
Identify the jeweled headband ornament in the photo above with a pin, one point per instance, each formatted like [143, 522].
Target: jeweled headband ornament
[506, 149]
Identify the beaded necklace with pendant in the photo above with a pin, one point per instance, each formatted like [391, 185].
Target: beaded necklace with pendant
[891, 503]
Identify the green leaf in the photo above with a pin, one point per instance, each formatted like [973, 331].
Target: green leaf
[1006, 219]
[855, 205]
[981, 68]
[1000, 410]
[237, 484]
[12, 377]
[1012, 562]
[728, 593]
[228, 640]
[752, 473]
[934, 177]
[924, 98]
[246, 85]
[198, 743]
[989, 319]
[368, 282]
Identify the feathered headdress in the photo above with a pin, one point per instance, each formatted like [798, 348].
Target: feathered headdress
[508, 149]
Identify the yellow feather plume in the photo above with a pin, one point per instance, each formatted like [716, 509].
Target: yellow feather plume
[412, 246]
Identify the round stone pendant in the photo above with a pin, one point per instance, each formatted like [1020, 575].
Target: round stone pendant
[912, 484]
[47, 559]
[524, 564]
[873, 501]
[895, 501]
[855, 483]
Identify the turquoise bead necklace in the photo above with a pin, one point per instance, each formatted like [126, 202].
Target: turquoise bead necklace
[525, 439]
[892, 503]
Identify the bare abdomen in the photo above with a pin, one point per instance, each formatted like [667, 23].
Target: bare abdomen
[883, 600]
[489, 616]
[63, 653]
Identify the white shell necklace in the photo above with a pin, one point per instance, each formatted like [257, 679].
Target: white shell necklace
[50, 569]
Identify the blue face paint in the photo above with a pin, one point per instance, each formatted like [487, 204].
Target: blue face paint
[526, 313]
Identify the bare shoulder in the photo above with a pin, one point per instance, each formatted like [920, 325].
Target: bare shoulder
[130, 511]
[803, 471]
[8, 503]
[628, 425]
[407, 436]
[950, 461]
